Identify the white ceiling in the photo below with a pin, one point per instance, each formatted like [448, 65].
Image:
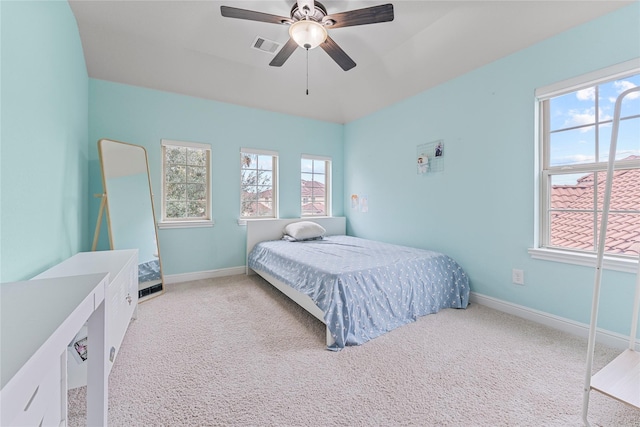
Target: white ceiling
[187, 47]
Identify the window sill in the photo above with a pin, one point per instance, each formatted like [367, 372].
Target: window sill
[186, 224]
[587, 260]
[243, 221]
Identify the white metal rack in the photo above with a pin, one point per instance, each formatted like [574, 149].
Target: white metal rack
[620, 379]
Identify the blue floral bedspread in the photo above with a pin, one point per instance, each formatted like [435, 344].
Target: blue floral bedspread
[365, 288]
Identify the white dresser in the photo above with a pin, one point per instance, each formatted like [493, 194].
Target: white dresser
[38, 318]
[121, 300]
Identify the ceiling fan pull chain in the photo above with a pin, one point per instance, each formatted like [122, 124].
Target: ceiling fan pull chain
[307, 71]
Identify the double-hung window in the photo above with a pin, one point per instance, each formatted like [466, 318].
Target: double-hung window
[258, 183]
[575, 123]
[315, 185]
[186, 184]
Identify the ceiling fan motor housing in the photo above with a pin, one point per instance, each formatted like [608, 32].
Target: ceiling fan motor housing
[318, 12]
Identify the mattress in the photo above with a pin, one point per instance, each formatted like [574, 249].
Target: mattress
[364, 288]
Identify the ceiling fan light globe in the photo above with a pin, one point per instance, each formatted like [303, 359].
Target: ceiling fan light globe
[307, 34]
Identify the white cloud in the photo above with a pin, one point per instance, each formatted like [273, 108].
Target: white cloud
[579, 117]
[626, 153]
[580, 158]
[604, 117]
[573, 159]
[621, 86]
[586, 116]
[582, 117]
[588, 94]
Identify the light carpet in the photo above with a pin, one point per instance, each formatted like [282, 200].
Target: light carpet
[233, 351]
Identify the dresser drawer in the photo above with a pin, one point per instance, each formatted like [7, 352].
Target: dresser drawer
[35, 402]
[122, 299]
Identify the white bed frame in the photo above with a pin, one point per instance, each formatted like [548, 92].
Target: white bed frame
[271, 229]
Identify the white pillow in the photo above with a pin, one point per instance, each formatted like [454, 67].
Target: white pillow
[304, 230]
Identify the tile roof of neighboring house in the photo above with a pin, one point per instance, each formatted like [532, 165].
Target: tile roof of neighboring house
[308, 189]
[257, 208]
[312, 188]
[313, 208]
[575, 229]
[266, 194]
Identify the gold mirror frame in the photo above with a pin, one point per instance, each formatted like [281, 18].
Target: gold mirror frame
[126, 183]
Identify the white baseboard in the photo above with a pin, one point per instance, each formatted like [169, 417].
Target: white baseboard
[603, 336]
[201, 275]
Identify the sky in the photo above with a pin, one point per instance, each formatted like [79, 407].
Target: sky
[573, 130]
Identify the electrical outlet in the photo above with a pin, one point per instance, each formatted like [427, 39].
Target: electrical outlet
[517, 276]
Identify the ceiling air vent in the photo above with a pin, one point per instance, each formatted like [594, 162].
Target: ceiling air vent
[265, 45]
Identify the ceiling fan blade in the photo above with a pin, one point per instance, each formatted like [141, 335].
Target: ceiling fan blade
[284, 54]
[338, 55]
[368, 15]
[251, 15]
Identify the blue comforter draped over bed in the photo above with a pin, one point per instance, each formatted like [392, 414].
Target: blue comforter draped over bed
[365, 288]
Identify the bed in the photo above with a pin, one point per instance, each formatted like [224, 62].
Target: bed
[359, 288]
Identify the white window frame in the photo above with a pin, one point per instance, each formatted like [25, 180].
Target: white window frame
[543, 170]
[274, 184]
[207, 220]
[327, 185]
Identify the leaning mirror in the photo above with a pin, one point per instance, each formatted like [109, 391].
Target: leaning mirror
[129, 206]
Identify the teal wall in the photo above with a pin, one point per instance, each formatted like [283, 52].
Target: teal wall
[480, 209]
[43, 157]
[144, 117]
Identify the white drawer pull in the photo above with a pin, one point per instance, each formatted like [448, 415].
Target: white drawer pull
[26, 408]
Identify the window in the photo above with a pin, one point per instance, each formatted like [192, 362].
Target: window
[186, 184]
[258, 184]
[575, 135]
[315, 186]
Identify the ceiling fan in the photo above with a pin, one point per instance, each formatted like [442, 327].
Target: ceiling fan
[308, 24]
